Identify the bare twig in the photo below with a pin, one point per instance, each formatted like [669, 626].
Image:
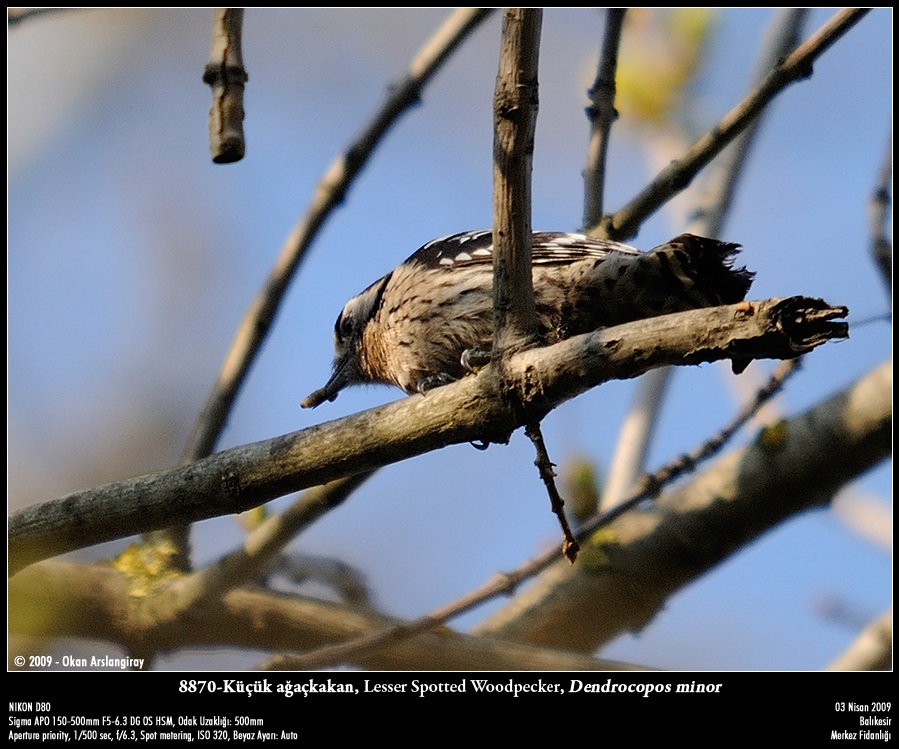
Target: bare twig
[570, 546]
[678, 175]
[353, 649]
[514, 121]
[602, 115]
[237, 479]
[328, 195]
[226, 76]
[878, 207]
[454, 651]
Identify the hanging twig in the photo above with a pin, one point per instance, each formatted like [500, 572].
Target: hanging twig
[665, 545]
[570, 546]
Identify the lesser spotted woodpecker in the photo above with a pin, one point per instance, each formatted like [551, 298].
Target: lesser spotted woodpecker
[414, 327]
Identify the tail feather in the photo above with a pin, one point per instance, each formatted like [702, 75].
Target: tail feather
[706, 265]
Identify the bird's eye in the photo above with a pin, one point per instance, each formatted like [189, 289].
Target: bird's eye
[343, 329]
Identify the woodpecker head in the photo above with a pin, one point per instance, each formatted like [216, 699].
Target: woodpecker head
[350, 360]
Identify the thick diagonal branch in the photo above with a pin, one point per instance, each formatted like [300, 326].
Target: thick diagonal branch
[243, 477]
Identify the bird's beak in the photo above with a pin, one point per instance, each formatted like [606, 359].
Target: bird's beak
[339, 379]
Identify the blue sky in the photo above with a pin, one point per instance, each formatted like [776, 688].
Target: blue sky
[132, 259]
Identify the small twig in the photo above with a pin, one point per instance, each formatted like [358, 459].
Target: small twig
[678, 175]
[570, 546]
[226, 76]
[630, 568]
[878, 207]
[454, 650]
[602, 114]
[346, 651]
[651, 484]
[514, 121]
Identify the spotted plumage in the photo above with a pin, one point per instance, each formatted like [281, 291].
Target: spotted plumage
[412, 327]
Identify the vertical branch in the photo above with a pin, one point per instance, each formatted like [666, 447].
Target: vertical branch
[881, 247]
[515, 113]
[602, 114]
[515, 105]
[226, 76]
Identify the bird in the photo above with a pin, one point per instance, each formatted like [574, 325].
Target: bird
[421, 325]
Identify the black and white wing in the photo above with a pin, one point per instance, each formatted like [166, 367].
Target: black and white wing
[548, 248]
